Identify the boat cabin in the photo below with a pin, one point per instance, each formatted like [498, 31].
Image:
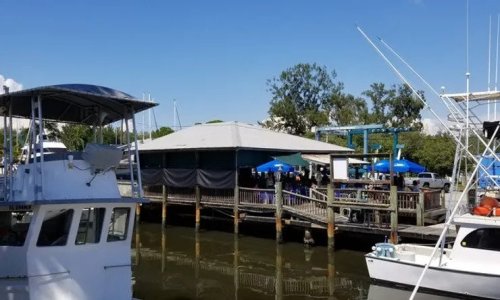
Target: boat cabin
[65, 231]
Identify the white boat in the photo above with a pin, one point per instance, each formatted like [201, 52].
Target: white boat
[65, 231]
[470, 268]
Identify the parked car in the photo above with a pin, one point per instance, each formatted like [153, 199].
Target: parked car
[429, 180]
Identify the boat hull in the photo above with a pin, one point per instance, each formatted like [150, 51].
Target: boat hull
[438, 279]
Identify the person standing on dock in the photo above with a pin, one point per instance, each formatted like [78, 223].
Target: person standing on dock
[400, 182]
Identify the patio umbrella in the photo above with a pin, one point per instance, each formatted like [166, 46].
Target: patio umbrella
[274, 166]
[400, 165]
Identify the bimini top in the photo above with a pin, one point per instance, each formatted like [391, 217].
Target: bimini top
[75, 103]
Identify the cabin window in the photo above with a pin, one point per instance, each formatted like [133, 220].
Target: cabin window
[119, 224]
[90, 227]
[484, 238]
[14, 227]
[55, 228]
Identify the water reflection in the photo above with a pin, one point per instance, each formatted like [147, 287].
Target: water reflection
[377, 292]
[217, 265]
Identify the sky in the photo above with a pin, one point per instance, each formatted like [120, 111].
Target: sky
[215, 57]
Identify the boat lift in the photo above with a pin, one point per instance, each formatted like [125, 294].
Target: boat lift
[350, 131]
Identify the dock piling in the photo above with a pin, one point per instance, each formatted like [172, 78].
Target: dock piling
[235, 209]
[330, 217]
[394, 214]
[420, 209]
[197, 208]
[279, 211]
[164, 206]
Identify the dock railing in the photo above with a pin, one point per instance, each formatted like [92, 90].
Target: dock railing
[257, 197]
[312, 206]
[305, 206]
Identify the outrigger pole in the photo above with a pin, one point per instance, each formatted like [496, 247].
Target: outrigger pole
[450, 105]
[469, 183]
[426, 105]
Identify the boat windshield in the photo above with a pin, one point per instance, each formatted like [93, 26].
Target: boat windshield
[14, 227]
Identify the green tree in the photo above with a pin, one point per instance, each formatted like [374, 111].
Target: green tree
[435, 152]
[395, 107]
[76, 136]
[161, 132]
[345, 109]
[214, 121]
[405, 108]
[299, 95]
[380, 97]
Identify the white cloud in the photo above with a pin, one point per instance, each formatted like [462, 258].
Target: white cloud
[432, 126]
[10, 83]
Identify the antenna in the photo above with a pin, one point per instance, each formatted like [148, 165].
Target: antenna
[143, 118]
[489, 68]
[467, 35]
[496, 67]
[175, 108]
[149, 117]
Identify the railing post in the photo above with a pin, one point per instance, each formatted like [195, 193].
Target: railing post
[394, 214]
[330, 214]
[235, 209]
[420, 209]
[164, 206]
[197, 207]
[279, 211]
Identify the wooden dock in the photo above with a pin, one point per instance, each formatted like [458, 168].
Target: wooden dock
[322, 208]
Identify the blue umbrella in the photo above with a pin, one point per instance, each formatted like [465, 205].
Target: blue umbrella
[400, 166]
[274, 166]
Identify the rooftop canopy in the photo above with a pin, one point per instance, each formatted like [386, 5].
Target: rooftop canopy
[235, 135]
[75, 103]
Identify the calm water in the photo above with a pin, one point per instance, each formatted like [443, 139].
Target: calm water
[179, 264]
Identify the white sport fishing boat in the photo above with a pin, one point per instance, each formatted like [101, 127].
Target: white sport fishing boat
[470, 268]
[65, 231]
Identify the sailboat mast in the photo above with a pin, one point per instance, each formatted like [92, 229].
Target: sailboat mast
[149, 117]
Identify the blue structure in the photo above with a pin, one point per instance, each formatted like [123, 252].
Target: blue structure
[274, 166]
[492, 166]
[350, 131]
[400, 166]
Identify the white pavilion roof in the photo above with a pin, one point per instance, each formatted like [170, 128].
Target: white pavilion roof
[235, 135]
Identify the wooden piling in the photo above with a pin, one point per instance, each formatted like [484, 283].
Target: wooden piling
[235, 209]
[330, 217]
[197, 208]
[164, 206]
[420, 209]
[394, 213]
[279, 211]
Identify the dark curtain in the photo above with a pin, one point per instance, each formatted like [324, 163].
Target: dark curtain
[189, 178]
